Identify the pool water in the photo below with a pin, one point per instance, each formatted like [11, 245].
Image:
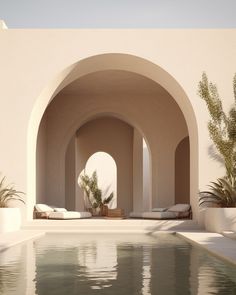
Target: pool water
[113, 264]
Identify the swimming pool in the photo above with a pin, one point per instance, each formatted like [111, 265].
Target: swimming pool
[113, 264]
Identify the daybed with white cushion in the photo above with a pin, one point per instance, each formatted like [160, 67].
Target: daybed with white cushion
[174, 212]
[45, 211]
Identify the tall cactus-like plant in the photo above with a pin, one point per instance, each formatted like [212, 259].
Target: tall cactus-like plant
[222, 130]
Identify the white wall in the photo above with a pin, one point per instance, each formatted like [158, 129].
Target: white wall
[40, 62]
[147, 197]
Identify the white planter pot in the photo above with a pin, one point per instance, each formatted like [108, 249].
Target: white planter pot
[220, 219]
[10, 219]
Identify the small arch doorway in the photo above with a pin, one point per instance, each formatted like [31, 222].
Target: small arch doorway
[106, 169]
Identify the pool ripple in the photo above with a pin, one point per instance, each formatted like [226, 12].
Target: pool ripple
[113, 264]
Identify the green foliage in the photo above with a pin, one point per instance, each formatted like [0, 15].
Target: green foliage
[221, 193]
[92, 191]
[7, 193]
[108, 199]
[222, 130]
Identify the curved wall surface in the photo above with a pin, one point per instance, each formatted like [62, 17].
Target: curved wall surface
[37, 64]
[138, 101]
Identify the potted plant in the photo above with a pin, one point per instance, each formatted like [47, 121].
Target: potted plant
[222, 194]
[10, 218]
[97, 203]
[222, 130]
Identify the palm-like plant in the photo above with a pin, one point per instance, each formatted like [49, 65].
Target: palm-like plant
[92, 191]
[7, 193]
[221, 193]
[222, 130]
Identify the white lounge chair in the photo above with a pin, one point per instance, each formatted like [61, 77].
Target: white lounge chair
[45, 211]
[177, 211]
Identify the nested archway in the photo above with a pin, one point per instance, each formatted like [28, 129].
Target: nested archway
[122, 62]
[113, 137]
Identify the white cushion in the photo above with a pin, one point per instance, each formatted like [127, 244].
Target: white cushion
[136, 214]
[159, 209]
[43, 208]
[179, 208]
[69, 215]
[60, 210]
[160, 215]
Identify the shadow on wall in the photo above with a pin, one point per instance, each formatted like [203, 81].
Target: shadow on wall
[182, 172]
[214, 155]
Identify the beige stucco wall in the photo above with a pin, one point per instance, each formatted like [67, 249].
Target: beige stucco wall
[35, 62]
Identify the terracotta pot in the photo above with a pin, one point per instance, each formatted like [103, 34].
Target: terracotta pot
[104, 210]
[96, 211]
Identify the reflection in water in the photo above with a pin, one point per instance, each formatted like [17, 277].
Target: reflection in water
[112, 264]
[146, 271]
[100, 263]
[12, 271]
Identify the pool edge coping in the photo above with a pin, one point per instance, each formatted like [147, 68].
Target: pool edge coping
[216, 251]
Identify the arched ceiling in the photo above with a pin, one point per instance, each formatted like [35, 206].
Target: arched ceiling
[104, 82]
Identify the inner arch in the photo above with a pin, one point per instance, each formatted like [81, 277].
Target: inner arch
[106, 169]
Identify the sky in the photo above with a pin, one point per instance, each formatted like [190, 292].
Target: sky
[118, 13]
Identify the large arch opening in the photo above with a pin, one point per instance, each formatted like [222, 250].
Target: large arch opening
[166, 86]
